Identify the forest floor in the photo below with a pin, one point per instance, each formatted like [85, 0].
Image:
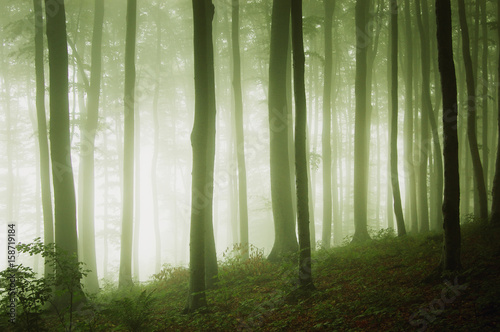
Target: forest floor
[380, 285]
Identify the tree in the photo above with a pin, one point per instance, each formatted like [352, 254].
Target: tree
[285, 241]
[301, 167]
[156, 142]
[361, 155]
[60, 146]
[471, 114]
[43, 145]
[325, 143]
[125, 277]
[203, 144]
[238, 119]
[495, 204]
[427, 118]
[411, 191]
[393, 132]
[87, 237]
[450, 259]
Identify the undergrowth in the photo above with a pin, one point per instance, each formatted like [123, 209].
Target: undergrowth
[380, 285]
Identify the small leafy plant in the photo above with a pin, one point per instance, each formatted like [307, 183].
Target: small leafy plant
[61, 288]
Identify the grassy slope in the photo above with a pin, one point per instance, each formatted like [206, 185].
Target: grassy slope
[378, 286]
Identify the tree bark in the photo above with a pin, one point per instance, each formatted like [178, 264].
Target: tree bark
[451, 200]
[203, 143]
[471, 115]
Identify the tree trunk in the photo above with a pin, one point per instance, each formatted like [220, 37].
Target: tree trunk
[495, 204]
[285, 241]
[238, 118]
[60, 147]
[43, 145]
[411, 191]
[203, 143]
[301, 167]
[325, 143]
[87, 237]
[393, 133]
[471, 115]
[361, 152]
[451, 224]
[484, 85]
[125, 276]
[156, 143]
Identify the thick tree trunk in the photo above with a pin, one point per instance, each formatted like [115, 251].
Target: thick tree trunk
[471, 115]
[43, 145]
[285, 241]
[325, 142]
[305, 275]
[125, 276]
[393, 133]
[361, 152]
[451, 223]
[238, 118]
[203, 144]
[60, 146]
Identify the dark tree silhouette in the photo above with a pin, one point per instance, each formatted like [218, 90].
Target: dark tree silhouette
[203, 143]
[393, 137]
[305, 275]
[451, 200]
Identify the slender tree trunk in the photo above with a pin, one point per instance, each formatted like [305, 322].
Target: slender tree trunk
[411, 192]
[87, 154]
[238, 118]
[305, 274]
[43, 145]
[327, 113]
[495, 204]
[451, 250]
[203, 143]
[125, 276]
[484, 98]
[471, 115]
[361, 151]
[211, 269]
[137, 197]
[393, 137]
[285, 241]
[156, 143]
